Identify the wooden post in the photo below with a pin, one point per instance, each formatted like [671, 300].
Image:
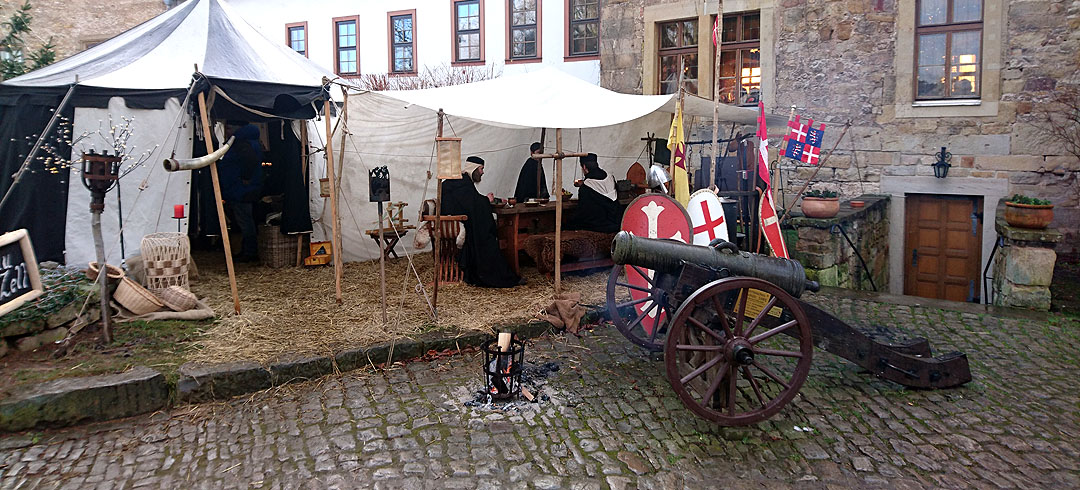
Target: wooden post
[558, 210]
[382, 264]
[207, 132]
[103, 276]
[335, 238]
[303, 174]
[435, 244]
[540, 163]
[716, 98]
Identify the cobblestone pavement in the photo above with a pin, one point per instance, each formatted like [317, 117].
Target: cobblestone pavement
[611, 420]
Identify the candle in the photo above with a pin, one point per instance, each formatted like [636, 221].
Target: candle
[178, 211]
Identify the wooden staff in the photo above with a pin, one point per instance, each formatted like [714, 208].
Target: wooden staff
[540, 163]
[558, 157]
[814, 175]
[217, 199]
[382, 264]
[438, 226]
[303, 174]
[716, 98]
[335, 239]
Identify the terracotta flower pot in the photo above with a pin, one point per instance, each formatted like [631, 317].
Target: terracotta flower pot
[1029, 215]
[820, 207]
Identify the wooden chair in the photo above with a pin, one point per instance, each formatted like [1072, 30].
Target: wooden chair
[447, 266]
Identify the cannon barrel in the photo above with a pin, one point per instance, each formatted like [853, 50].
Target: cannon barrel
[668, 256]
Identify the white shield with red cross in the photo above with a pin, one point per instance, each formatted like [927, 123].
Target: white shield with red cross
[707, 217]
[653, 216]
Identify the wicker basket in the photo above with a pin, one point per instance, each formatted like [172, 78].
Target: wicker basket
[136, 298]
[165, 258]
[178, 298]
[115, 272]
[276, 249]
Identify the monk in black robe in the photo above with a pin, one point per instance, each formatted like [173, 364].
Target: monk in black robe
[598, 206]
[480, 258]
[531, 178]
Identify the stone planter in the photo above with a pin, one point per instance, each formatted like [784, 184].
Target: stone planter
[1029, 215]
[820, 207]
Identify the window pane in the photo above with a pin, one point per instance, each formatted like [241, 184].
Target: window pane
[592, 10]
[403, 29]
[669, 35]
[728, 66]
[931, 81]
[931, 49]
[731, 29]
[468, 46]
[403, 58]
[727, 90]
[964, 63]
[690, 75]
[967, 10]
[669, 74]
[751, 27]
[932, 12]
[524, 43]
[750, 77]
[689, 37]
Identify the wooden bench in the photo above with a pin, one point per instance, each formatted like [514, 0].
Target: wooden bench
[588, 249]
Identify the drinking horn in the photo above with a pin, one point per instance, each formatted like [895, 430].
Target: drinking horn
[173, 164]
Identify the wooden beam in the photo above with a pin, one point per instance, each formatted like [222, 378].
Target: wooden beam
[207, 132]
[558, 207]
[303, 173]
[335, 239]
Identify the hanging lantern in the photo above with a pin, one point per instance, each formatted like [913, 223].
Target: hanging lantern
[379, 184]
[941, 166]
[449, 151]
[99, 174]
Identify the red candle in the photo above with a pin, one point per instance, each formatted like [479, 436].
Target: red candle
[178, 211]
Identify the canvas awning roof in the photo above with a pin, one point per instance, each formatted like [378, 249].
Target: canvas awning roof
[550, 98]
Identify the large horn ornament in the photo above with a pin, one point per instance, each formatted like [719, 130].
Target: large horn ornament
[173, 164]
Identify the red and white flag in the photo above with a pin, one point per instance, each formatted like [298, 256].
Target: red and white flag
[770, 223]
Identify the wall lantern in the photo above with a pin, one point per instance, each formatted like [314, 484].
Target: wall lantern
[941, 166]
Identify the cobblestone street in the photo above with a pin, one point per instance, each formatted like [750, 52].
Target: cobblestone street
[610, 420]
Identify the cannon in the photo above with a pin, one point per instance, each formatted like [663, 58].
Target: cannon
[736, 340]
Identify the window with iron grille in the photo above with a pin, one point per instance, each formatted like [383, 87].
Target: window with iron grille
[345, 42]
[948, 47]
[740, 59]
[583, 19]
[524, 29]
[402, 43]
[678, 51]
[468, 35]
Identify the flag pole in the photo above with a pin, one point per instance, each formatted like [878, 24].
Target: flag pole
[787, 210]
[714, 164]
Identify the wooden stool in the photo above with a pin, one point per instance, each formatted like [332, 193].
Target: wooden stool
[391, 236]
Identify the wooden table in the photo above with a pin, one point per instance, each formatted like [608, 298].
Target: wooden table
[517, 223]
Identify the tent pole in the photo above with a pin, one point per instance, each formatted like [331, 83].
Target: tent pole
[303, 174]
[540, 164]
[207, 138]
[714, 164]
[438, 227]
[558, 210]
[335, 240]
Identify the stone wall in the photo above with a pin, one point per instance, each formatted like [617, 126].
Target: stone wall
[73, 24]
[850, 60]
[827, 256]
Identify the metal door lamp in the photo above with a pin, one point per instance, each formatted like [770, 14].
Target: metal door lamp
[941, 166]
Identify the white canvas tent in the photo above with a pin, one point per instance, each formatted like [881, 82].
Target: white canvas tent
[497, 120]
[144, 75]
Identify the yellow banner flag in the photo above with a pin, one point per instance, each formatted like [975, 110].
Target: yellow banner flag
[677, 144]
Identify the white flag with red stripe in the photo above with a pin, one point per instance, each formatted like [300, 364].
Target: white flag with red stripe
[770, 223]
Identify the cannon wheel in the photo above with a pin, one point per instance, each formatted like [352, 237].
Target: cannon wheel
[724, 358]
[626, 318]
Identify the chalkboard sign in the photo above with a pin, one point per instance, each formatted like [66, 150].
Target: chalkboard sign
[19, 278]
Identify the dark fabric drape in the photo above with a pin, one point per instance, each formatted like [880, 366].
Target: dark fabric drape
[527, 182]
[286, 178]
[39, 202]
[480, 259]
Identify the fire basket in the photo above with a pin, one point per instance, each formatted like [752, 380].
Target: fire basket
[502, 366]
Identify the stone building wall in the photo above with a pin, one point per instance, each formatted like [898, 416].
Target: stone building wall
[73, 24]
[850, 60]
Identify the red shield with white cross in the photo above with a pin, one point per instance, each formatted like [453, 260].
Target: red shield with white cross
[653, 216]
[707, 217]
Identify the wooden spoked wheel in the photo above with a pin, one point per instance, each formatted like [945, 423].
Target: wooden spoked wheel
[640, 306]
[726, 357]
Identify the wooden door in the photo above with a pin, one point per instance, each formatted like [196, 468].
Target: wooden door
[942, 246]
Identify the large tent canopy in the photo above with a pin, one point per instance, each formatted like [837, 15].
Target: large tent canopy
[141, 78]
[497, 120]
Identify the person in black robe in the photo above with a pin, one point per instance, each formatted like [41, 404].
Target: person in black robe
[598, 206]
[480, 259]
[531, 172]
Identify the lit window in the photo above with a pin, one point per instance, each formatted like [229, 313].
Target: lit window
[949, 45]
[402, 43]
[584, 27]
[296, 34]
[740, 59]
[524, 29]
[468, 35]
[347, 62]
[678, 50]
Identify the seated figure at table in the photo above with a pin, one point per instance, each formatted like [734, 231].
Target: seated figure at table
[480, 260]
[531, 178]
[598, 206]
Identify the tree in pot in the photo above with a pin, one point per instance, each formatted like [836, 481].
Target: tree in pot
[820, 204]
[1028, 212]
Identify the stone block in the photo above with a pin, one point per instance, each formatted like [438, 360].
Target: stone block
[1029, 266]
[1017, 296]
[814, 235]
[22, 327]
[201, 382]
[1017, 163]
[32, 342]
[350, 359]
[70, 401]
[299, 369]
[988, 144]
[4, 347]
[825, 277]
[1065, 163]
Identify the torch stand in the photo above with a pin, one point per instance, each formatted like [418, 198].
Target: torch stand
[99, 174]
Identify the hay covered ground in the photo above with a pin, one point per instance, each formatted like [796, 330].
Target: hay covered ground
[293, 310]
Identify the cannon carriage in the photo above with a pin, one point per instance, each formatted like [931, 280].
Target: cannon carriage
[736, 339]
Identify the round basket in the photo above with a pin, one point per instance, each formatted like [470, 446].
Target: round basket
[178, 298]
[165, 258]
[136, 298]
[115, 272]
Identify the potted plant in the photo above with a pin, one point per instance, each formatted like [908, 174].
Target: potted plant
[1028, 212]
[820, 204]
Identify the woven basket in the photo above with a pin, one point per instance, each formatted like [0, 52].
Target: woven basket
[166, 257]
[136, 298]
[115, 273]
[276, 249]
[178, 298]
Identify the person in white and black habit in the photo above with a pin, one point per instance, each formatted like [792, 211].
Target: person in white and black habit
[598, 207]
[531, 182]
[480, 259]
